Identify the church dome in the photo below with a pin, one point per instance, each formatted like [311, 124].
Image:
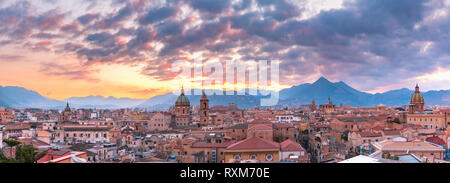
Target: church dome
[67, 109]
[182, 99]
[417, 97]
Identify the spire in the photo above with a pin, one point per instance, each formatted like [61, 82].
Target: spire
[182, 88]
[67, 106]
[417, 88]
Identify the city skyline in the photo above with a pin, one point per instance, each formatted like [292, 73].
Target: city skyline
[65, 49]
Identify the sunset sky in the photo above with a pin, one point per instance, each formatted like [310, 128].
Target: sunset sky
[120, 48]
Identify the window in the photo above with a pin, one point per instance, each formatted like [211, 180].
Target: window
[237, 156]
[253, 156]
[269, 157]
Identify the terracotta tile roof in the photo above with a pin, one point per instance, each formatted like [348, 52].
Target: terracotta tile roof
[391, 132]
[36, 143]
[260, 121]
[253, 143]
[289, 145]
[259, 127]
[378, 128]
[435, 140]
[444, 110]
[381, 118]
[16, 127]
[282, 125]
[370, 134]
[211, 145]
[319, 125]
[188, 139]
[239, 126]
[86, 128]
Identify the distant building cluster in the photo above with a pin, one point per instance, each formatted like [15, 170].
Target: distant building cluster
[326, 133]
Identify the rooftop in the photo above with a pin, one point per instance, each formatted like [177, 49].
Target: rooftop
[408, 146]
[253, 143]
[289, 145]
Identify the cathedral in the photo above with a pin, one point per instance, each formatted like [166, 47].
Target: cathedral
[182, 111]
[66, 115]
[437, 119]
[417, 102]
[328, 107]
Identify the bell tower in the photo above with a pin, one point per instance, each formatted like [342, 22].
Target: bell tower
[204, 110]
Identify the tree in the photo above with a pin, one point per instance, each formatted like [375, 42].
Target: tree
[11, 143]
[24, 153]
[28, 154]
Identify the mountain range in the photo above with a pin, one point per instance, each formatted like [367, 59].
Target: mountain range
[18, 97]
[320, 90]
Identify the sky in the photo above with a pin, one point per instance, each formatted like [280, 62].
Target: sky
[63, 48]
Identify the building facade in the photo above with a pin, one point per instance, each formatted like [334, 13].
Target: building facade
[416, 116]
[182, 111]
[328, 107]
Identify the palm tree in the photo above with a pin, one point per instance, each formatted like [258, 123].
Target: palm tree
[11, 144]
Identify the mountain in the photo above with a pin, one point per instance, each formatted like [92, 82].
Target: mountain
[341, 93]
[18, 97]
[102, 102]
[217, 97]
[320, 90]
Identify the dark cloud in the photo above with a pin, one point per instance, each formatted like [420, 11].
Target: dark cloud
[211, 6]
[381, 39]
[101, 39]
[282, 9]
[88, 18]
[157, 14]
[115, 19]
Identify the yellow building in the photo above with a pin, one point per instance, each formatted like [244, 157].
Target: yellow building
[253, 149]
[416, 115]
